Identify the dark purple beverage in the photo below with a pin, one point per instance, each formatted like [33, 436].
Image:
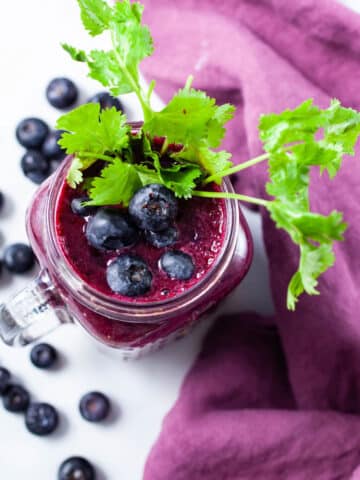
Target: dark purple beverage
[212, 231]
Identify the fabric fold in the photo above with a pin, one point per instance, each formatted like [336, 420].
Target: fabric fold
[276, 403]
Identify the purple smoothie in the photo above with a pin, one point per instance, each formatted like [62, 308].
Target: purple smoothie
[206, 227]
[201, 224]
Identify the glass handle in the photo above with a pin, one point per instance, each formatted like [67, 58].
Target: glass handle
[33, 312]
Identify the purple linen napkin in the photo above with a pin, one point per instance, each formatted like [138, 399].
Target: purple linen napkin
[260, 402]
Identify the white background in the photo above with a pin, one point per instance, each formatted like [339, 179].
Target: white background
[142, 391]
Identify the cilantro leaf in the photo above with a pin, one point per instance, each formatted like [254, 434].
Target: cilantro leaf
[185, 119]
[89, 130]
[75, 54]
[104, 67]
[193, 120]
[75, 176]
[298, 125]
[147, 175]
[116, 185]
[132, 40]
[289, 172]
[180, 178]
[117, 69]
[314, 234]
[95, 15]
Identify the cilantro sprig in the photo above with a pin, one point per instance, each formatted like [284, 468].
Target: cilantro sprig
[294, 142]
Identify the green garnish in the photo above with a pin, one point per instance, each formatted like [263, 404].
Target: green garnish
[294, 141]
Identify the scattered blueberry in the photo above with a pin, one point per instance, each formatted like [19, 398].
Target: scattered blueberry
[4, 379]
[79, 209]
[43, 355]
[129, 275]
[61, 93]
[162, 239]
[94, 407]
[35, 166]
[16, 398]
[1, 200]
[31, 132]
[51, 148]
[18, 258]
[41, 418]
[153, 207]
[177, 264]
[110, 229]
[106, 101]
[76, 468]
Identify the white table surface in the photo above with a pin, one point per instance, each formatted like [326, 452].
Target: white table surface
[142, 391]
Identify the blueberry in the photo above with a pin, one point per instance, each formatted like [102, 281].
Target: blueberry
[41, 418]
[35, 166]
[110, 229]
[79, 209]
[18, 258]
[51, 148]
[106, 101]
[76, 468]
[61, 93]
[1, 201]
[94, 407]
[43, 355]
[4, 379]
[153, 207]
[31, 132]
[177, 264]
[16, 398]
[129, 275]
[162, 239]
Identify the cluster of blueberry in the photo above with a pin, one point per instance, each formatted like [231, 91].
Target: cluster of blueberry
[42, 418]
[152, 211]
[43, 154]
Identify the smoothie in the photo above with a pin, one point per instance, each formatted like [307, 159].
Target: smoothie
[212, 231]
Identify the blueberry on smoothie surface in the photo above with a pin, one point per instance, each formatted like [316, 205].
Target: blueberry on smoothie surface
[5, 378]
[16, 398]
[41, 419]
[82, 210]
[43, 355]
[31, 132]
[162, 239]
[94, 407]
[76, 468]
[51, 147]
[35, 166]
[129, 275]
[61, 92]
[111, 229]
[177, 264]
[106, 100]
[153, 207]
[18, 258]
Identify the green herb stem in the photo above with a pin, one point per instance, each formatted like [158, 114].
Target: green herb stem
[235, 196]
[99, 156]
[144, 101]
[237, 168]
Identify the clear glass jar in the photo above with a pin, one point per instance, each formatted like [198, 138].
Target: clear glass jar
[58, 295]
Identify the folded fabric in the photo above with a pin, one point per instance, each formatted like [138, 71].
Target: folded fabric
[279, 402]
